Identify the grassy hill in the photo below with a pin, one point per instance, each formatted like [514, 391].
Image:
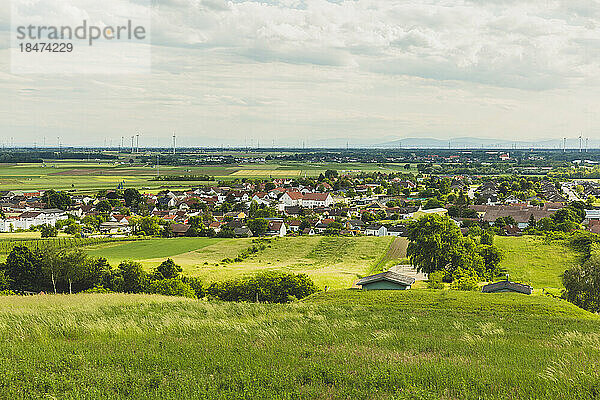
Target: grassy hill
[333, 261]
[417, 344]
[531, 259]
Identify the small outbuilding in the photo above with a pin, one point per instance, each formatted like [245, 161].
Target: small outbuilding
[386, 281]
[507, 286]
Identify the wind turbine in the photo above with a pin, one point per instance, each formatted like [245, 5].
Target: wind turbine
[173, 142]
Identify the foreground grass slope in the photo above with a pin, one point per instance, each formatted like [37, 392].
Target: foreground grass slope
[533, 260]
[333, 261]
[416, 344]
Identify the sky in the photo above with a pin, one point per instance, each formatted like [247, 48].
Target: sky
[361, 72]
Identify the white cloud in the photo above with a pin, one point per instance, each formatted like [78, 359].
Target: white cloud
[225, 71]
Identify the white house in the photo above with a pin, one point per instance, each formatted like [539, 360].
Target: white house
[276, 228]
[291, 199]
[312, 200]
[376, 230]
[32, 218]
[591, 215]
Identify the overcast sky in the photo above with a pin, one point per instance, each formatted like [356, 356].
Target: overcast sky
[363, 71]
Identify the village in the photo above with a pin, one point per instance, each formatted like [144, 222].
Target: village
[371, 205]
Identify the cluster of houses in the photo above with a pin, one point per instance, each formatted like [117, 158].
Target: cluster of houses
[24, 209]
[488, 193]
[295, 208]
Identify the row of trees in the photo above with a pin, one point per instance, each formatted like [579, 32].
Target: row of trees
[57, 270]
[582, 282]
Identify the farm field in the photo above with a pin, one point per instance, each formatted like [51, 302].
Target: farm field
[89, 176]
[333, 261]
[536, 262]
[417, 344]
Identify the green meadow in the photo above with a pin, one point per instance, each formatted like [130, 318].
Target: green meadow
[535, 261]
[348, 344]
[330, 261]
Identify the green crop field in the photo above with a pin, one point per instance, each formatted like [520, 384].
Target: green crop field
[536, 262]
[89, 176]
[416, 344]
[333, 261]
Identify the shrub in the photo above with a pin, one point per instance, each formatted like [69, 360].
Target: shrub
[97, 289]
[465, 279]
[271, 287]
[465, 283]
[167, 270]
[195, 284]
[436, 280]
[171, 287]
[48, 231]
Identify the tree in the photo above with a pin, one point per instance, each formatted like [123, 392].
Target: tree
[54, 199]
[48, 231]
[73, 229]
[253, 208]
[23, 268]
[134, 277]
[331, 174]
[258, 226]
[432, 203]
[487, 237]
[147, 226]
[333, 228]
[492, 256]
[72, 265]
[582, 283]
[132, 197]
[531, 222]
[304, 225]
[167, 270]
[433, 238]
[104, 206]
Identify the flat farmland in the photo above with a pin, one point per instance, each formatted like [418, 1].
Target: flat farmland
[89, 176]
[333, 261]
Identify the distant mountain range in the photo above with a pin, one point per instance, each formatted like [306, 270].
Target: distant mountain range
[478, 143]
[454, 143]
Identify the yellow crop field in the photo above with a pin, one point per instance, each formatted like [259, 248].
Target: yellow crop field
[267, 172]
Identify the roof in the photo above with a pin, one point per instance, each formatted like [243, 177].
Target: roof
[316, 196]
[294, 195]
[504, 286]
[179, 228]
[387, 276]
[374, 227]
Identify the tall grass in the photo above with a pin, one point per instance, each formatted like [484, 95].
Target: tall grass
[337, 345]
